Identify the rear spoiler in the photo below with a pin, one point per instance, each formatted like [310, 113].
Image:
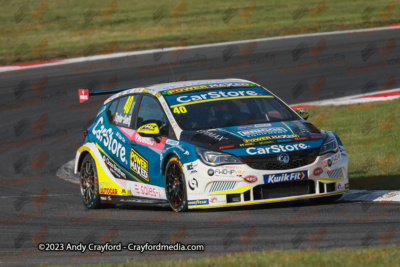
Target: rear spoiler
[85, 93]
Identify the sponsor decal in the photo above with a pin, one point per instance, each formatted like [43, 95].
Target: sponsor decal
[205, 86]
[139, 165]
[249, 144]
[285, 177]
[226, 147]
[246, 127]
[193, 184]
[172, 142]
[339, 186]
[117, 172]
[275, 149]
[258, 139]
[328, 162]
[106, 136]
[147, 190]
[120, 137]
[210, 172]
[214, 95]
[83, 95]
[214, 135]
[284, 140]
[224, 172]
[318, 171]
[284, 136]
[122, 119]
[194, 171]
[262, 125]
[108, 191]
[262, 131]
[198, 202]
[250, 179]
[218, 199]
[301, 138]
[143, 140]
[316, 136]
[346, 186]
[266, 142]
[105, 184]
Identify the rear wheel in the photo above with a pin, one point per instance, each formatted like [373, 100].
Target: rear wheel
[89, 183]
[175, 185]
[325, 200]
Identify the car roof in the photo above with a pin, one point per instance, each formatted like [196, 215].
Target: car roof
[174, 85]
[156, 89]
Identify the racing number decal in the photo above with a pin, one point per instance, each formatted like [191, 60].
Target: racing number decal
[128, 104]
[180, 109]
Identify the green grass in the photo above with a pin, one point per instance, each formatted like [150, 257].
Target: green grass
[46, 30]
[370, 134]
[383, 256]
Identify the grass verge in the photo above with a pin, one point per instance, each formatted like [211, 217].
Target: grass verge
[48, 30]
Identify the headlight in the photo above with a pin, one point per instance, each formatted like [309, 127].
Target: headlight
[330, 145]
[215, 158]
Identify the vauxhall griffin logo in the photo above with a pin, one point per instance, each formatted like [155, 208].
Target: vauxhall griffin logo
[283, 158]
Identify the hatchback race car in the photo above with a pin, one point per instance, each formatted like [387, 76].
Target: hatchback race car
[206, 144]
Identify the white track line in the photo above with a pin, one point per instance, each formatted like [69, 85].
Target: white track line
[372, 196]
[353, 99]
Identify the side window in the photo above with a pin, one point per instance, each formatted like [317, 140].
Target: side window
[123, 114]
[111, 110]
[151, 112]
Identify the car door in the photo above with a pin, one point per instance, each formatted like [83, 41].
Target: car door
[119, 121]
[146, 153]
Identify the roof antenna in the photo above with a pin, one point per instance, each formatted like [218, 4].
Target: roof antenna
[173, 75]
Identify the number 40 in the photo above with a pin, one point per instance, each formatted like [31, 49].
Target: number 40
[180, 109]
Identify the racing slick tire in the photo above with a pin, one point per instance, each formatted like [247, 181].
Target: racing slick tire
[175, 185]
[89, 184]
[325, 200]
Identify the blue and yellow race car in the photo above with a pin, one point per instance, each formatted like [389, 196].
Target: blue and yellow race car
[206, 144]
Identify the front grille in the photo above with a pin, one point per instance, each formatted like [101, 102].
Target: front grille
[278, 190]
[270, 162]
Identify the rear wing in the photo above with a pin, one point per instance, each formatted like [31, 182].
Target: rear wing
[85, 93]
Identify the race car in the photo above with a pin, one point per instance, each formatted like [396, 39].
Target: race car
[206, 144]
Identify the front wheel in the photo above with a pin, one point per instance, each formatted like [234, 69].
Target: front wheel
[89, 183]
[175, 185]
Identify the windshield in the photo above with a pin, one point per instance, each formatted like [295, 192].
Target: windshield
[226, 108]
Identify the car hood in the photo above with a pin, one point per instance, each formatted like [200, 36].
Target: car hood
[238, 139]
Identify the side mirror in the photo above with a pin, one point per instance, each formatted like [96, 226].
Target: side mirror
[302, 112]
[150, 130]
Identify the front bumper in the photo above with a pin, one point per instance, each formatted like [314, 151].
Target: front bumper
[238, 185]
